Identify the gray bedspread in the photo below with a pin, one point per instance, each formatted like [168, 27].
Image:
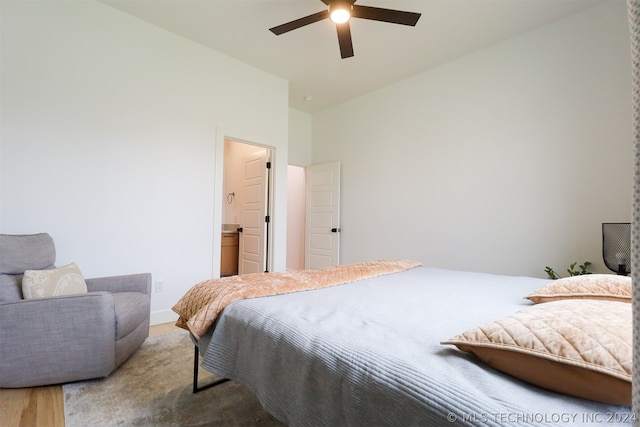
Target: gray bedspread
[368, 354]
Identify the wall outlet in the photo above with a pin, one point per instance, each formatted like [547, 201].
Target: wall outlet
[159, 286]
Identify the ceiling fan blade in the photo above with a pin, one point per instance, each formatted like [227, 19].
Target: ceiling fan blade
[344, 39]
[386, 15]
[289, 26]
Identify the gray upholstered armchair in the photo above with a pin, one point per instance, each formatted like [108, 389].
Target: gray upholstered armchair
[69, 337]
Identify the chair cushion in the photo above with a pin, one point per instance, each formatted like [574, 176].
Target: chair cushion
[10, 288]
[26, 252]
[132, 308]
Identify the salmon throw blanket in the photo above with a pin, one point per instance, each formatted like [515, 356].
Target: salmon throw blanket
[201, 305]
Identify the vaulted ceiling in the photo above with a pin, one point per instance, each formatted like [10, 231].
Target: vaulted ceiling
[309, 57]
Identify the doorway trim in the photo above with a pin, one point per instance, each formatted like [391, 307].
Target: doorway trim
[218, 197]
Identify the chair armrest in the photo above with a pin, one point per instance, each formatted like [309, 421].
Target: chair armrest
[59, 339]
[127, 283]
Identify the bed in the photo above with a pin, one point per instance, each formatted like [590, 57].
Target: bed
[370, 352]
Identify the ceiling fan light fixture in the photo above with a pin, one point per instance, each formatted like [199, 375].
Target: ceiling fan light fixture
[340, 12]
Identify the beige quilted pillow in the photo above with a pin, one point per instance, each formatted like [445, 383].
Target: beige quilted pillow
[576, 347]
[49, 283]
[588, 286]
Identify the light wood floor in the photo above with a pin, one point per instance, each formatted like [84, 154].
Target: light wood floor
[43, 406]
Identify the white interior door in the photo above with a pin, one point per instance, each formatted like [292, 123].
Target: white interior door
[253, 223]
[322, 231]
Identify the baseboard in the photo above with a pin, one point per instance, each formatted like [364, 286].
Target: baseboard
[163, 316]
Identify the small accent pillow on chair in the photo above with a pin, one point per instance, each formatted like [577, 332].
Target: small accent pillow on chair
[65, 280]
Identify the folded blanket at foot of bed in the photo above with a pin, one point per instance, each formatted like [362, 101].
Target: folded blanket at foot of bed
[201, 305]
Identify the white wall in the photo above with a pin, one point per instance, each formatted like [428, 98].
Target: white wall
[299, 138]
[109, 129]
[300, 141]
[503, 161]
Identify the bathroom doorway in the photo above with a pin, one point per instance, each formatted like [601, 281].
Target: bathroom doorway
[246, 210]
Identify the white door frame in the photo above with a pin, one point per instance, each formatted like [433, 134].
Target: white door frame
[219, 197]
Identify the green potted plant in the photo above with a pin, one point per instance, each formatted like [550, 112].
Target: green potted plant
[582, 269]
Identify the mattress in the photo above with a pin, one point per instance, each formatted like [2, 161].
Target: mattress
[369, 353]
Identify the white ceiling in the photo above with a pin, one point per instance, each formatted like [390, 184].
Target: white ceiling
[309, 57]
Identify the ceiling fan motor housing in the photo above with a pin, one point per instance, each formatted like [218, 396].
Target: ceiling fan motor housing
[340, 11]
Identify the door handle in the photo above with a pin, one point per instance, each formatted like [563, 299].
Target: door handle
[335, 230]
[239, 229]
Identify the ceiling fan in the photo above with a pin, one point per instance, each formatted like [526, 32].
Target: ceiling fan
[340, 12]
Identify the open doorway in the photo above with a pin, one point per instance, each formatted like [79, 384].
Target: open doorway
[313, 216]
[246, 210]
[296, 212]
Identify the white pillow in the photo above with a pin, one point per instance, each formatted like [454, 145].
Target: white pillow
[57, 281]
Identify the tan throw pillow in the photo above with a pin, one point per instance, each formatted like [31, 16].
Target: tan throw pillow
[577, 347]
[588, 286]
[50, 283]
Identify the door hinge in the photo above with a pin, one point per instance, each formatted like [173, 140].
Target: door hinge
[267, 219]
[268, 165]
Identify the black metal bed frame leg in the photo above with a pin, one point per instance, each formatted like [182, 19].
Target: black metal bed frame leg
[197, 388]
